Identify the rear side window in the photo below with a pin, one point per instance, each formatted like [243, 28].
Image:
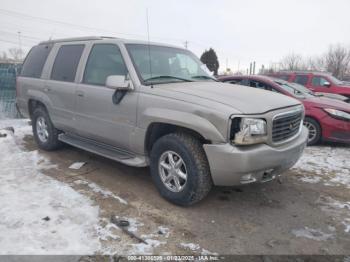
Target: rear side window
[104, 60]
[301, 79]
[66, 63]
[35, 61]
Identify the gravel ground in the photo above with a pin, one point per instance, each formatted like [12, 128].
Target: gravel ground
[48, 208]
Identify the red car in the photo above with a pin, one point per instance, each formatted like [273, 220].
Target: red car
[316, 82]
[326, 118]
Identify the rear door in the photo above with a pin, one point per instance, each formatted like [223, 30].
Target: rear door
[61, 85]
[98, 116]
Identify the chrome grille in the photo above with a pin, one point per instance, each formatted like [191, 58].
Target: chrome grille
[286, 126]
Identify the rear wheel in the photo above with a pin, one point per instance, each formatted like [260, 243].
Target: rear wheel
[314, 131]
[180, 169]
[45, 134]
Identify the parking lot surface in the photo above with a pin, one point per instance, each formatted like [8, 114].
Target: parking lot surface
[306, 212]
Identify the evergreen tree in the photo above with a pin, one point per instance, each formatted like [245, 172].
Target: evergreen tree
[210, 59]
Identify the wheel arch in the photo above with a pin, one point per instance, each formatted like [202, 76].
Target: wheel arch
[157, 130]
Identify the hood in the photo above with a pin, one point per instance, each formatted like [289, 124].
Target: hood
[325, 102]
[244, 99]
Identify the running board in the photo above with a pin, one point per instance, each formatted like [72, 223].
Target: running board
[104, 150]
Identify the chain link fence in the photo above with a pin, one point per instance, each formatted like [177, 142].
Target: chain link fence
[8, 73]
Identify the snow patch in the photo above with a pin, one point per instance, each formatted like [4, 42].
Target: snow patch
[330, 164]
[97, 189]
[312, 180]
[197, 248]
[27, 196]
[314, 234]
[338, 209]
[146, 249]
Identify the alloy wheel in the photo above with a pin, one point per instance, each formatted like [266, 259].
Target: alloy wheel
[312, 131]
[42, 129]
[172, 170]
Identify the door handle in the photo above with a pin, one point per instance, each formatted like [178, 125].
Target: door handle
[47, 89]
[80, 93]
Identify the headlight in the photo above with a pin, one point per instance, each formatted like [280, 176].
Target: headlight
[248, 131]
[337, 113]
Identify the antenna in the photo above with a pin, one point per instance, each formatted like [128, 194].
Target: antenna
[149, 47]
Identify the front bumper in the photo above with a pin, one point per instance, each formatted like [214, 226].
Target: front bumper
[335, 130]
[231, 165]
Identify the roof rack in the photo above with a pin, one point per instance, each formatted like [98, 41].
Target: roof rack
[76, 39]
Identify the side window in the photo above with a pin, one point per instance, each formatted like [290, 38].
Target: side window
[35, 61]
[301, 79]
[234, 81]
[66, 63]
[319, 81]
[104, 60]
[259, 85]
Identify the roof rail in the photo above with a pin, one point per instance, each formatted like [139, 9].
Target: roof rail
[304, 71]
[76, 39]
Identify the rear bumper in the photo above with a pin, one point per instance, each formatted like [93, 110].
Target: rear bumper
[231, 165]
[335, 130]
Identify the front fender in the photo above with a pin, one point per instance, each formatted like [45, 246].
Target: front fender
[183, 119]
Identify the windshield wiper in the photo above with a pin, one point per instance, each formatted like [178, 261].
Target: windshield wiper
[167, 77]
[204, 77]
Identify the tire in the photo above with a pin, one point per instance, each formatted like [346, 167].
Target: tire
[195, 165]
[51, 142]
[315, 131]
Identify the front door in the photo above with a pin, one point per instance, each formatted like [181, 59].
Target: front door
[97, 116]
[320, 84]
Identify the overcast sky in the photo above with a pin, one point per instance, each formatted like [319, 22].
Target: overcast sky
[240, 31]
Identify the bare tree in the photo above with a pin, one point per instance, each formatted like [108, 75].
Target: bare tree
[316, 63]
[337, 60]
[16, 53]
[4, 57]
[292, 62]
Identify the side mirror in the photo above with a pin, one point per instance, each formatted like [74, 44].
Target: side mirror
[327, 84]
[118, 82]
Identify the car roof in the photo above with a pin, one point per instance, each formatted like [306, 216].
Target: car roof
[252, 77]
[302, 72]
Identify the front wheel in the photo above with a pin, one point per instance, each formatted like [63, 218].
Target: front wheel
[314, 131]
[180, 169]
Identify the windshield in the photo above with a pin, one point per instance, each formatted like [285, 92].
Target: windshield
[295, 89]
[161, 64]
[335, 80]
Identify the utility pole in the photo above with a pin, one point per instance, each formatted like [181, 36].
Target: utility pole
[250, 68]
[254, 68]
[186, 44]
[20, 45]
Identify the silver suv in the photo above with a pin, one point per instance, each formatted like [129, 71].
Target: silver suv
[143, 104]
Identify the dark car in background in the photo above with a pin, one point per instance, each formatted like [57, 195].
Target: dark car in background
[327, 119]
[316, 81]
